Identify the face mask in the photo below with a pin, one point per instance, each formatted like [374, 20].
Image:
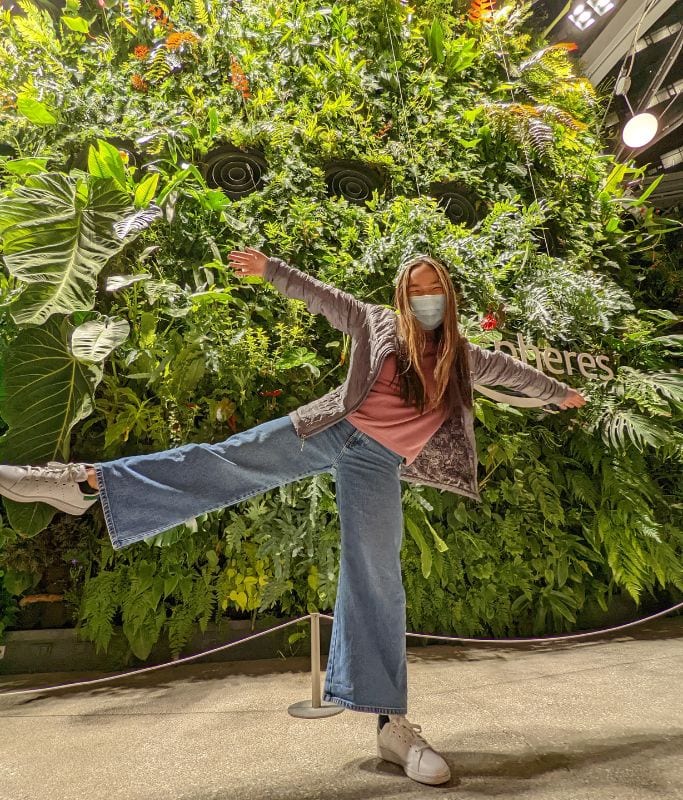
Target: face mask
[429, 309]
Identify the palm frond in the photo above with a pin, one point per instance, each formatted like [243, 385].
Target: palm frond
[652, 390]
[621, 425]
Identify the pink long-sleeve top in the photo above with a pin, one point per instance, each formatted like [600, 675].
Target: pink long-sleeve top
[389, 419]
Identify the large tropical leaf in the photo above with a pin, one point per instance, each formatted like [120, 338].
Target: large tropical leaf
[95, 340]
[45, 392]
[57, 234]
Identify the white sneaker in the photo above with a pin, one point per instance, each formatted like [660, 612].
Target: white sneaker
[399, 741]
[56, 484]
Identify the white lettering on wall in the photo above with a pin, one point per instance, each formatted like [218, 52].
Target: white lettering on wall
[556, 362]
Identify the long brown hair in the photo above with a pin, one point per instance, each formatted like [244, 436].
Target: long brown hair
[452, 371]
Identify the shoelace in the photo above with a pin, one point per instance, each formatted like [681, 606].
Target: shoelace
[413, 730]
[56, 471]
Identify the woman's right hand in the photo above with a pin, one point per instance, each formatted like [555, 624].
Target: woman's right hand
[574, 399]
[248, 262]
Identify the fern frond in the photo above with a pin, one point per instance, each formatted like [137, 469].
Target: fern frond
[160, 66]
[541, 136]
[36, 25]
[540, 55]
[546, 110]
[100, 601]
[200, 12]
[582, 488]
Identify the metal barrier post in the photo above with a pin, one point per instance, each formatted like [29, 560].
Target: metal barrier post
[314, 708]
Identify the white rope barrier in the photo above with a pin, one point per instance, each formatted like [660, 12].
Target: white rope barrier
[314, 707]
[156, 666]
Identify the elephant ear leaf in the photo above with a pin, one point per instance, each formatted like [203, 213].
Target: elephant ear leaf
[45, 392]
[134, 223]
[57, 233]
[95, 340]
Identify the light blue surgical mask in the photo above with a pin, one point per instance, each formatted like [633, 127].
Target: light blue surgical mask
[429, 309]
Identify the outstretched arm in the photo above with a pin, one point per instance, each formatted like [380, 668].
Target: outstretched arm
[343, 311]
[491, 367]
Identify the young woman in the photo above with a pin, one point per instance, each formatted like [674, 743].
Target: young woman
[403, 411]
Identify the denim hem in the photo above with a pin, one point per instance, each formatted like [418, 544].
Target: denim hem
[106, 508]
[372, 709]
[120, 543]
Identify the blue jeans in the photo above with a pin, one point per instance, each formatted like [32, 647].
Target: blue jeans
[146, 494]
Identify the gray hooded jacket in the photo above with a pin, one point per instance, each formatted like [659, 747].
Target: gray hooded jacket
[449, 459]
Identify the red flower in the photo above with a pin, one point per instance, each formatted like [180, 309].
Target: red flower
[271, 393]
[489, 322]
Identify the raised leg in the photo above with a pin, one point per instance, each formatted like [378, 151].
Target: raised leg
[145, 494]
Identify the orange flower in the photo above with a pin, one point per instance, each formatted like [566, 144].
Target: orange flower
[384, 129]
[139, 83]
[176, 40]
[481, 10]
[141, 52]
[238, 78]
[159, 14]
[156, 11]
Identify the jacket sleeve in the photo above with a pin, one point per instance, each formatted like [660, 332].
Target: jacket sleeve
[492, 367]
[343, 311]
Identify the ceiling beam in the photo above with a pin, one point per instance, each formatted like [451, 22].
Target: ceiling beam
[669, 191]
[616, 38]
[662, 71]
[674, 122]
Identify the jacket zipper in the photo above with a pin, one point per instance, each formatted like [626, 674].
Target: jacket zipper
[358, 404]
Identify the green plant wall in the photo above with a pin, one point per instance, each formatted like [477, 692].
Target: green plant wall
[359, 133]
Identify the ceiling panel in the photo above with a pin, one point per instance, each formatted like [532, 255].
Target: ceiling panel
[641, 40]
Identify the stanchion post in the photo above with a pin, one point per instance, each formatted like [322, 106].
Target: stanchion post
[314, 708]
[315, 660]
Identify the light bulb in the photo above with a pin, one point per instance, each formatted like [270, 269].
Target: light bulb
[640, 130]
[601, 6]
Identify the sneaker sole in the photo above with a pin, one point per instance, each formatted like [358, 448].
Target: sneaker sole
[389, 755]
[66, 507]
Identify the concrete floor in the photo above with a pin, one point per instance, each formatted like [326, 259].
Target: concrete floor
[598, 719]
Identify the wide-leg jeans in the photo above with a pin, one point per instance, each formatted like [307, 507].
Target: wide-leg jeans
[145, 494]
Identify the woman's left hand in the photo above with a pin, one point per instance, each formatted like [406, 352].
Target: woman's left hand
[249, 261]
[573, 400]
